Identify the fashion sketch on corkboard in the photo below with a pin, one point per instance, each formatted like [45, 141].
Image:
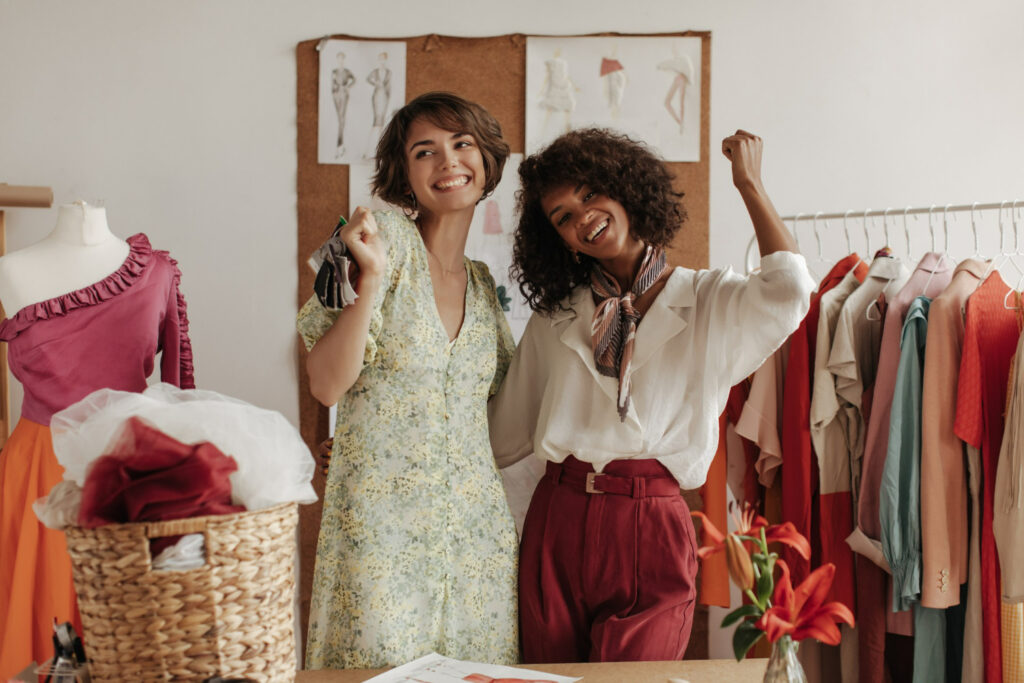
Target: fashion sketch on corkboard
[614, 76]
[380, 79]
[645, 87]
[361, 83]
[681, 69]
[342, 81]
[557, 97]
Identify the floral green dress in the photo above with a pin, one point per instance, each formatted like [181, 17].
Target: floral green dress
[417, 549]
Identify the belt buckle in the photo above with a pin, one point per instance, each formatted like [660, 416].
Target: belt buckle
[591, 476]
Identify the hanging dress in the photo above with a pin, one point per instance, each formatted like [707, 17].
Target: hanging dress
[102, 336]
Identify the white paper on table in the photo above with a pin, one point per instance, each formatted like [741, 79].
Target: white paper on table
[435, 668]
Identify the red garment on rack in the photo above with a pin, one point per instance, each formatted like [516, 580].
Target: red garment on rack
[991, 332]
[990, 335]
[148, 476]
[799, 466]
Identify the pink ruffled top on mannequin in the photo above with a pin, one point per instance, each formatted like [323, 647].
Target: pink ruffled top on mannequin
[105, 335]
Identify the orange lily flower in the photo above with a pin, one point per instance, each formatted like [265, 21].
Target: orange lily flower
[749, 523]
[737, 559]
[803, 613]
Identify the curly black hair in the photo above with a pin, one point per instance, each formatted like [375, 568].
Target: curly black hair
[611, 164]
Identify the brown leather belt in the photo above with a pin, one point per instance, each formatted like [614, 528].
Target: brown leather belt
[600, 483]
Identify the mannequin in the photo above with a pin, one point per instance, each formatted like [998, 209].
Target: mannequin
[80, 251]
[85, 310]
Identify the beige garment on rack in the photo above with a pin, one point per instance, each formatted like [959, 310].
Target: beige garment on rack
[973, 670]
[1008, 501]
[944, 501]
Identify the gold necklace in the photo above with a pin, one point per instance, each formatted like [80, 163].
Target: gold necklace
[444, 270]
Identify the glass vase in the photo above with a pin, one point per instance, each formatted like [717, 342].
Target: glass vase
[783, 665]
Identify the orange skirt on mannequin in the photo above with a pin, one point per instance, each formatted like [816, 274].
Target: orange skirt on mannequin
[35, 570]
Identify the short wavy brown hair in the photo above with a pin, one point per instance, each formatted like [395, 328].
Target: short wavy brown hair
[611, 164]
[444, 110]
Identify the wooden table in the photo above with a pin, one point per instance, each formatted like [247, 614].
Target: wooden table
[692, 670]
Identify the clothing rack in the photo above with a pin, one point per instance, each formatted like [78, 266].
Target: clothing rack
[15, 196]
[886, 215]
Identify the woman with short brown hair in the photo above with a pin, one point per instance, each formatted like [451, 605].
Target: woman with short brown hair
[417, 548]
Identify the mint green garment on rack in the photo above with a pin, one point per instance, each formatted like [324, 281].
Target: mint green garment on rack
[900, 500]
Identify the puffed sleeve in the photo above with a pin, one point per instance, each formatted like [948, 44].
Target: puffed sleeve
[514, 409]
[314, 319]
[176, 356]
[749, 317]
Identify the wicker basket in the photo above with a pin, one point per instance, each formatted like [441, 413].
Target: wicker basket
[234, 616]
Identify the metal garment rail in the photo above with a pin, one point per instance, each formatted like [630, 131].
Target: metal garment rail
[886, 215]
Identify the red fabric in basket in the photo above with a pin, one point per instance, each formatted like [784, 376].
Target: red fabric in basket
[148, 476]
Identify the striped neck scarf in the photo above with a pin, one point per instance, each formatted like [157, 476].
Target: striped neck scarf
[615, 319]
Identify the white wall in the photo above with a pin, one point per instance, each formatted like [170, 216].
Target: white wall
[181, 117]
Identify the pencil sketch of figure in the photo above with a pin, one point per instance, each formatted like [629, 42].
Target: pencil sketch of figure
[682, 67]
[558, 91]
[614, 76]
[380, 79]
[342, 81]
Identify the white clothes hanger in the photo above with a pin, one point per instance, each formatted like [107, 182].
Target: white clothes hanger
[873, 306]
[906, 233]
[1020, 283]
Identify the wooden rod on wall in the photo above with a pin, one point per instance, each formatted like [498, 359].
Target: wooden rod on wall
[25, 196]
[15, 196]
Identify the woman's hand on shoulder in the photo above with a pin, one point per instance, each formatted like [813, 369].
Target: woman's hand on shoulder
[744, 149]
[362, 237]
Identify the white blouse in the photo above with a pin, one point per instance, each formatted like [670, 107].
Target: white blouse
[704, 332]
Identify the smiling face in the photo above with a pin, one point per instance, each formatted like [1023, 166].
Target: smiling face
[590, 223]
[446, 169]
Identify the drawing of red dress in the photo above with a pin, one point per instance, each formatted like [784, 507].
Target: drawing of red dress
[62, 349]
[614, 75]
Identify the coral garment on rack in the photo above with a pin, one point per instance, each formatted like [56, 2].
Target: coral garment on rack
[62, 349]
[990, 340]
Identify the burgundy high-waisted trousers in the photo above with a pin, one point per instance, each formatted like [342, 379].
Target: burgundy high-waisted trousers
[607, 565]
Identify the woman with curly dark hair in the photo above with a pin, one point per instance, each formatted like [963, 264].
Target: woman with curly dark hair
[618, 383]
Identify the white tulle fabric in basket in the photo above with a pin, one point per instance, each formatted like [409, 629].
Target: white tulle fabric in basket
[274, 464]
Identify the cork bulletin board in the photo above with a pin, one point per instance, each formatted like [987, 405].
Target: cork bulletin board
[492, 72]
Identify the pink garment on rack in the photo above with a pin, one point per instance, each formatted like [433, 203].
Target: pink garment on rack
[105, 335]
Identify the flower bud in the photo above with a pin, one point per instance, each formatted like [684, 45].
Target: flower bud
[738, 560]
